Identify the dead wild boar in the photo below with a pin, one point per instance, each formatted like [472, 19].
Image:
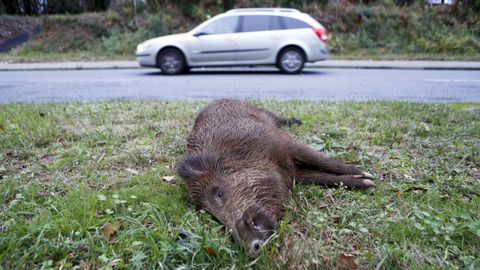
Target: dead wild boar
[240, 165]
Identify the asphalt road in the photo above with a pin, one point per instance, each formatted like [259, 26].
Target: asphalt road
[258, 83]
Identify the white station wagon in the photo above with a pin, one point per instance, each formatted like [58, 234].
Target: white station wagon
[283, 37]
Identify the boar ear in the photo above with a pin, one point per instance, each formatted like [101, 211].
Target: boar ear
[193, 166]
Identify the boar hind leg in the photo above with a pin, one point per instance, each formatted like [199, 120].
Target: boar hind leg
[288, 121]
[280, 120]
[284, 121]
[314, 167]
[328, 179]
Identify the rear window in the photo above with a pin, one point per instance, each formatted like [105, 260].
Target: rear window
[291, 23]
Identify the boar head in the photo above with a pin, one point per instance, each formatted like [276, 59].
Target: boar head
[247, 197]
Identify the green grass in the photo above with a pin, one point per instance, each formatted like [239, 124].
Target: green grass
[26, 55]
[379, 55]
[81, 185]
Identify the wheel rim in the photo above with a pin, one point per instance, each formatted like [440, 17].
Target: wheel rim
[291, 61]
[171, 63]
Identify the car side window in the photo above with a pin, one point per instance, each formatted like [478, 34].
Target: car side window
[291, 23]
[221, 26]
[276, 23]
[254, 23]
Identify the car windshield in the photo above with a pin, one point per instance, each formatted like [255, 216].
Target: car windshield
[221, 26]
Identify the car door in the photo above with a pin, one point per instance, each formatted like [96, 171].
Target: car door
[257, 39]
[214, 43]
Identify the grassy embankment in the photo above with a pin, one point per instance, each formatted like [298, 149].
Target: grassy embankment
[379, 31]
[82, 185]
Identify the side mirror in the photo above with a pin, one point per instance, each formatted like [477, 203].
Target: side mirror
[199, 34]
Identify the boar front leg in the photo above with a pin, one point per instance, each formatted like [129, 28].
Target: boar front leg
[332, 180]
[314, 167]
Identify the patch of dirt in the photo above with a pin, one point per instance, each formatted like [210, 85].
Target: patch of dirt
[12, 26]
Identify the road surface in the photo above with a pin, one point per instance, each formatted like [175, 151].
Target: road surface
[244, 83]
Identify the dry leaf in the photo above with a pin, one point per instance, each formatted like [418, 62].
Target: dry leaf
[211, 251]
[346, 261]
[147, 223]
[289, 243]
[115, 262]
[445, 197]
[132, 171]
[168, 178]
[416, 189]
[84, 265]
[323, 205]
[325, 259]
[109, 229]
[399, 193]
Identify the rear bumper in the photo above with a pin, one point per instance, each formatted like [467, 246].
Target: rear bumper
[318, 54]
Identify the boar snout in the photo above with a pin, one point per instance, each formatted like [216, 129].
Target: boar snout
[255, 246]
[254, 228]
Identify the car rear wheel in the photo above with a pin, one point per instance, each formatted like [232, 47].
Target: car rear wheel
[291, 60]
[171, 62]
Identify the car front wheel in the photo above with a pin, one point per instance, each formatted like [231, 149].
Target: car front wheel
[291, 60]
[171, 62]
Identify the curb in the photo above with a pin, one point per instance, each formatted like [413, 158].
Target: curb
[392, 67]
[67, 68]
[75, 65]
[399, 64]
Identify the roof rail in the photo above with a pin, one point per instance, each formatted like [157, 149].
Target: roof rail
[239, 10]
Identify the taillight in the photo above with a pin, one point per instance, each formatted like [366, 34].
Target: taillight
[321, 33]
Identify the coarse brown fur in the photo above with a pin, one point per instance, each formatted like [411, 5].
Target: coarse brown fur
[240, 166]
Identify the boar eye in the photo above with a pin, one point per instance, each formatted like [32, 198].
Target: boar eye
[218, 195]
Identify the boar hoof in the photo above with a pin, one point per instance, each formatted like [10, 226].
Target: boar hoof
[368, 183]
[367, 175]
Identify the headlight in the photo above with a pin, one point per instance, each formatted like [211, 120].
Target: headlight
[143, 46]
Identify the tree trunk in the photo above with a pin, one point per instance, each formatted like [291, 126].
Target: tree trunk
[27, 7]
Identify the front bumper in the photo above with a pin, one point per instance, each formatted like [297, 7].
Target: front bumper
[145, 59]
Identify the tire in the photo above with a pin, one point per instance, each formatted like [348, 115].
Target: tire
[171, 62]
[291, 60]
